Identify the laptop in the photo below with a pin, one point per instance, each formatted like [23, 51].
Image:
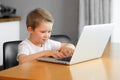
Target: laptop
[91, 44]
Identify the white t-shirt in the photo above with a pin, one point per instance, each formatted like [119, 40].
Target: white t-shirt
[27, 47]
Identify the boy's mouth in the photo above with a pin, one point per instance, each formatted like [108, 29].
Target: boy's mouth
[44, 39]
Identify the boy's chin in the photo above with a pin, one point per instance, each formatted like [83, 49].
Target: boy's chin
[42, 41]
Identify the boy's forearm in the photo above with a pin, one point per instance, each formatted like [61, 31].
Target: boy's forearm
[25, 58]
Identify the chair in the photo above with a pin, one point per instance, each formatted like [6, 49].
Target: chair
[10, 50]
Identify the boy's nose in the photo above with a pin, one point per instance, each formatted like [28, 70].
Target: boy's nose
[47, 35]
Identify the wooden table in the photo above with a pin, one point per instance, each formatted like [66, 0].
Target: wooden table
[105, 68]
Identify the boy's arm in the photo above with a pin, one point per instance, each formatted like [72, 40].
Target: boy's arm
[22, 58]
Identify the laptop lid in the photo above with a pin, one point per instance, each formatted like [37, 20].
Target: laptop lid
[92, 42]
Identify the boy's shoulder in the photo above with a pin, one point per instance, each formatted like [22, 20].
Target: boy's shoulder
[25, 42]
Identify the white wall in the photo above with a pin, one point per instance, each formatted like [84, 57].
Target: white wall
[116, 19]
[11, 33]
[65, 13]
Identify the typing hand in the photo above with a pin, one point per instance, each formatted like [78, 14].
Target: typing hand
[67, 51]
[53, 54]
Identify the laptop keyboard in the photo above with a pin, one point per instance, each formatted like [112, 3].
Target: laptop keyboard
[65, 59]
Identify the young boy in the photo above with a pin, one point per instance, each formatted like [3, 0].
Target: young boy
[39, 25]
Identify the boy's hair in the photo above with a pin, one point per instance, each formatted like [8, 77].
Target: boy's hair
[36, 16]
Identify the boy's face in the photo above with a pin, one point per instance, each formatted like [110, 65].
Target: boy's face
[41, 33]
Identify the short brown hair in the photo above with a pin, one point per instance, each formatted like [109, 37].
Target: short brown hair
[36, 16]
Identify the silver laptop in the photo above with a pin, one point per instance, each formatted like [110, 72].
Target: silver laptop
[91, 44]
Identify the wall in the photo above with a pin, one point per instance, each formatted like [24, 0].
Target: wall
[65, 13]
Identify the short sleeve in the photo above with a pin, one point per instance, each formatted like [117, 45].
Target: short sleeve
[55, 45]
[23, 49]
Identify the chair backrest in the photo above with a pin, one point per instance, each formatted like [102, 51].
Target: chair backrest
[10, 50]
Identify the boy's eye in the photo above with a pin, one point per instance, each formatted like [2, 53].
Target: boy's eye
[49, 31]
[45, 31]
[42, 31]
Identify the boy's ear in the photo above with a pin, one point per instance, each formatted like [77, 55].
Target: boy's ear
[30, 30]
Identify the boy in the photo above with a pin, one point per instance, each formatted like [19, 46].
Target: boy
[39, 25]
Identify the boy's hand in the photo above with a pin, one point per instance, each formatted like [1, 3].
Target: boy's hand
[54, 54]
[67, 51]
